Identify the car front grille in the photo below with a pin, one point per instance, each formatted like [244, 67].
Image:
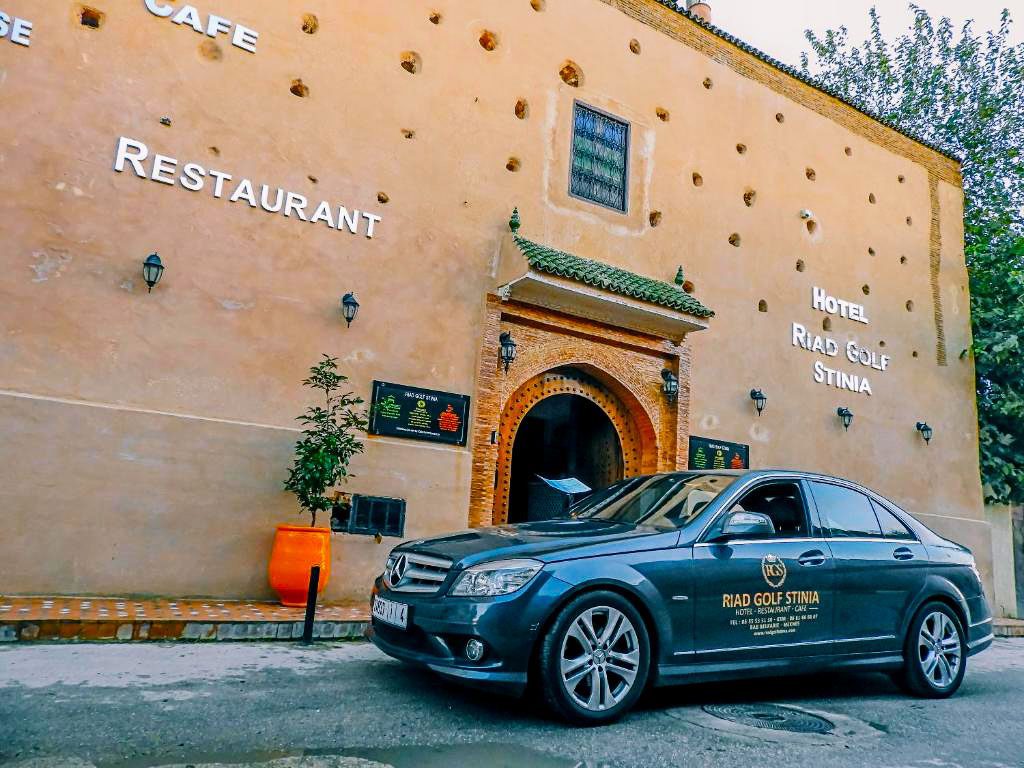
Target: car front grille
[414, 572]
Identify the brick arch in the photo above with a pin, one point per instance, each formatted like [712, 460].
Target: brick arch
[631, 423]
[638, 391]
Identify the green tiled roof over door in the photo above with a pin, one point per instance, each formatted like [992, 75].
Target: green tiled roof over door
[608, 278]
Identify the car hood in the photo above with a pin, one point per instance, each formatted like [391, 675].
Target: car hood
[549, 541]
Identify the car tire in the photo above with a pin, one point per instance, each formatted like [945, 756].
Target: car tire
[934, 653]
[594, 659]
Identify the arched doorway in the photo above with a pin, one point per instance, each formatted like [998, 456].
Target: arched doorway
[562, 436]
[562, 423]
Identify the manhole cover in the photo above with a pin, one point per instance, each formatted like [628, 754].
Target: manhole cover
[770, 716]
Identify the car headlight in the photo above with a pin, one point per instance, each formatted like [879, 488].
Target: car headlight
[502, 577]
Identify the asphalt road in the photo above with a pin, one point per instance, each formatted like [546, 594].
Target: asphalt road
[276, 705]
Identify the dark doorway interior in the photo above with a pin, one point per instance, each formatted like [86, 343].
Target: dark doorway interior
[562, 436]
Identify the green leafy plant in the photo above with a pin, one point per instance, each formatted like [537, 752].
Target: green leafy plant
[964, 92]
[329, 441]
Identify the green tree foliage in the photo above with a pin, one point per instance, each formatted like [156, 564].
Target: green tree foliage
[329, 440]
[964, 92]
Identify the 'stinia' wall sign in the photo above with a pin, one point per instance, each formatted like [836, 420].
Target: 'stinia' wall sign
[829, 347]
[194, 177]
[187, 15]
[18, 31]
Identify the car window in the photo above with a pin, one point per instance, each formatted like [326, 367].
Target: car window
[844, 511]
[663, 501]
[781, 502]
[892, 527]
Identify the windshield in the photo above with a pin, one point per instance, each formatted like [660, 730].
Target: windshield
[661, 501]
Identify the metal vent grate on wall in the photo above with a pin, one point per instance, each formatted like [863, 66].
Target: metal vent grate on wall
[369, 516]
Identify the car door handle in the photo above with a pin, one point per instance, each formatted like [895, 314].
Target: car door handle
[903, 553]
[814, 557]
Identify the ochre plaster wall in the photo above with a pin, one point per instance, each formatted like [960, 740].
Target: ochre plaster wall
[145, 436]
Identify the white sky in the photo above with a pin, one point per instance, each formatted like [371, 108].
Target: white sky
[777, 26]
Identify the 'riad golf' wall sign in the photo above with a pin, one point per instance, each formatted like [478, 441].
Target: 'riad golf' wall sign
[706, 453]
[420, 414]
[829, 347]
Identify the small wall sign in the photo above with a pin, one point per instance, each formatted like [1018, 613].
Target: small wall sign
[18, 31]
[420, 414]
[706, 453]
[188, 16]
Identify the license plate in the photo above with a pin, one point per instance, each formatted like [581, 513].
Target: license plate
[390, 612]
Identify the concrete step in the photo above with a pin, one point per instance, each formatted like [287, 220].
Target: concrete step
[124, 619]
[1008, 627]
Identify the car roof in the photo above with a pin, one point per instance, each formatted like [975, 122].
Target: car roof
[766, 472]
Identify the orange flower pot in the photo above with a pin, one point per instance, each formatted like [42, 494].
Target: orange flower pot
[296, 550]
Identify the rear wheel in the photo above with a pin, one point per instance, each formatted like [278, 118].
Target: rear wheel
[935, 653]
[594, 659]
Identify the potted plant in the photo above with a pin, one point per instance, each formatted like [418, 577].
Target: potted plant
[329, 441]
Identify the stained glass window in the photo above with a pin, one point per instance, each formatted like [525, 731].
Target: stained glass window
[600, 151]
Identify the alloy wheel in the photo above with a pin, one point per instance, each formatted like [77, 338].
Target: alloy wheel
[600, 657]
[938, 649]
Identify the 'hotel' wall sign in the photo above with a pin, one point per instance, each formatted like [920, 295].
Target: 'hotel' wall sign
[829, 347]
[18, 31]
[421, 414]
[188, 16]
[195, 177]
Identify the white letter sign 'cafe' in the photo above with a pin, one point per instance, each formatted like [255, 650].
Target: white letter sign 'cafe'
[829, 347]
[187, 15]
[194, 177]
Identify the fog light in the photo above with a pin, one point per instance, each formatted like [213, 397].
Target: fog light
[474, 650]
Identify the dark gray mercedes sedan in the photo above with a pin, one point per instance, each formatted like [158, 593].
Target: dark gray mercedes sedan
[682, 577]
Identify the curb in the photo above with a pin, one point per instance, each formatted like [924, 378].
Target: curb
[1008, 628]
[189, 631]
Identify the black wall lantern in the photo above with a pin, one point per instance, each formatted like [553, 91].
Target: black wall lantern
[349, 308]
[152, 270]
[925, 430]
[846, 415]
[760, 399]
[507, 350]
[669, 385]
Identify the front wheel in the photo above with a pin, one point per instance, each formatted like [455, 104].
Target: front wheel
[594, 659]
[935, 653]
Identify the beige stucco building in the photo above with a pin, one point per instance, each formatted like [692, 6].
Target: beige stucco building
[146, 436]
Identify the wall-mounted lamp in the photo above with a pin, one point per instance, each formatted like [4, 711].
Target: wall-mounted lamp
[669, 385]
[925, 430]
[846, 415]
[507, 350]
[152, 270]
[349, 308]
[760, 399]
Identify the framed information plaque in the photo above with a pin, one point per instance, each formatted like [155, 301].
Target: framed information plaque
[397, 410]
[706, 453]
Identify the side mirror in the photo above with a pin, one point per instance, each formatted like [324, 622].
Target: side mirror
[746, 525]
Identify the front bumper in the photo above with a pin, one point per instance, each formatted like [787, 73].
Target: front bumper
[439, 627]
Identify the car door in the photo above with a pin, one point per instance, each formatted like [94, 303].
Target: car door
[766, 597]
[880, 567]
